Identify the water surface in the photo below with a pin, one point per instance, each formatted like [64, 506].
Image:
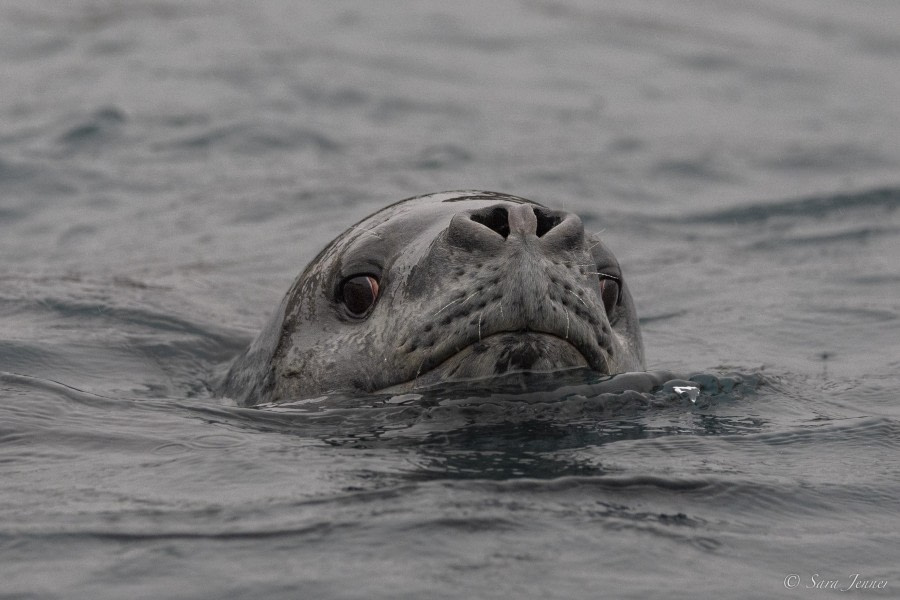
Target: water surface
[167, 168]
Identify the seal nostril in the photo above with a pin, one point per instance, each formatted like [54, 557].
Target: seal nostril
[495, 219]
[545, 221]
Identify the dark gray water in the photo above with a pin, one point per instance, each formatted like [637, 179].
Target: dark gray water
[167, 168]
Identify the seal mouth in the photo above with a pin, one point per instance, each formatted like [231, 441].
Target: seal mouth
[498, 353]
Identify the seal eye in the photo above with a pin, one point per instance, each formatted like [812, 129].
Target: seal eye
[359, 294]
[609, 291]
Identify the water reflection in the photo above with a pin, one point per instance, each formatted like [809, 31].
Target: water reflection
[453, 433]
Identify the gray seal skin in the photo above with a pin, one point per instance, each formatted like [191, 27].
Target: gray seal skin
[449, 286]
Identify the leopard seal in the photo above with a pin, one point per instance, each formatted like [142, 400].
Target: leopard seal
[442, 287]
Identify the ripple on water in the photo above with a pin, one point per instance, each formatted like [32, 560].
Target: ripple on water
[813, 207]
[102, 126]
[256, 138]
[218, 440]
[851, 434]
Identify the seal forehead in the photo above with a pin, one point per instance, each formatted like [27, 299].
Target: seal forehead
[450, 196]
[413, 217]
[460, 196]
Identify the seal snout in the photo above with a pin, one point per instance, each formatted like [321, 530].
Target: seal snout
[488, 228]
[521, 295]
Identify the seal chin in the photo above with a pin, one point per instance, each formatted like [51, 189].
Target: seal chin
[499, 354]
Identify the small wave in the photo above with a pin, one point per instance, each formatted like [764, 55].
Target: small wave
[872, 432]
[858, 235]
[254, 138]
[703, 168]
[29, 187]
[816, 207]
[119, 336]
[27, 384]
[722, 493]
[102, 125]
[841, 156]
[14, 172]
[153, 533]
[508, 413]
[442, 156]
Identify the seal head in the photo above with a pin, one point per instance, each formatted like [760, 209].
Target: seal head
[448, 286]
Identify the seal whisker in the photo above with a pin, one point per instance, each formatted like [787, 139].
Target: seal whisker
[579, 298]
[452, 302]
[419, 370]
[479, 327]
[607, 275]
[446, 306]
[567, 322]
